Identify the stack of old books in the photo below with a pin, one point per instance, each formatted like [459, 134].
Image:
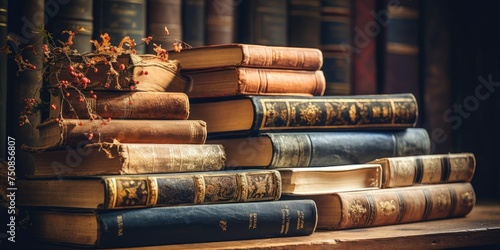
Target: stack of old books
[360, 158]
[119, 165]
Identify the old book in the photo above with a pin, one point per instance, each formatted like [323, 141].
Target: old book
[254, 81]
[141, 72]
[127, 158]
[76, 132]
[121, 105]
[262, 22]
[253, 114]
[427, 169]
[161, 14]
[249, 55]
[317, 149]
[332, 179]
[179, 224]
[219, 24]
[390, 206]
[120, 18]
[335, 41]
[304, 23]
[152, 190]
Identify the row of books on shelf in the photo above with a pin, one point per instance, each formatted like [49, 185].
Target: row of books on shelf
[150, 167]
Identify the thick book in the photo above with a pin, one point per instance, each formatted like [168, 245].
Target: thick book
[179, 224]
[249, 55]
[126, 159]
[427, 169]
[254, 81]
[391, 206]
[120, 18]
[252, 114]
[76, 132]
[120, 105]
[262, 22]
[161, 14]
[219, 22]
[318, 149]
[152, 190]
[332, 179]
[140, 72]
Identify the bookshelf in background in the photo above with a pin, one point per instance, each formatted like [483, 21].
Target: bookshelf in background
[304, 23]
[335, 43]
[262, 22]
[71, 16]
[220, 21]
[161, 14]
[193, 22]
[120, 18]
[3, 79]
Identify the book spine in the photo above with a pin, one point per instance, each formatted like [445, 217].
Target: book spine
[72, 16]
[364, 47]
[69, 132]
[404, 205]
[161, 14]
[401, 50]
[263, 22]
[304, 23]
[219, 22]
[349, 112]
[175, 158]
[216, 188]
[432, 169]
[120, 18]
[193, 22]
[341, 148]
[216, 222]
[335, 42]
[282, 57]
[123, 105]
[3, 79]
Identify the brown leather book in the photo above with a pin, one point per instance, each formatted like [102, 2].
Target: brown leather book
[120, 105]
[249, 55]
[390, 206]
[427, 169]
[127, 158]
[76, 132]
[152, 190]
[255, 81]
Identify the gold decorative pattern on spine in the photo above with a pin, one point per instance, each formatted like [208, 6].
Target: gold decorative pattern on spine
[468, 199]
[112, 192]
[199, 187]
[443, 202]
[241, 179]
[153, 191]
[387, 208]
[356, 211]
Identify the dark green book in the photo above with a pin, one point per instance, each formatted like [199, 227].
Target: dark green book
[250, 115]
[318, 149]
[181, 224]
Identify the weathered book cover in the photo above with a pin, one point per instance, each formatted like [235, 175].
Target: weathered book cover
[317, 149]
[427, 169]
[220, 22]
[286, 113]
[180, 224]
[249, 55]
[255, 81]
[153, 190]
[76, 132]
[120, 105]
[127, 158]
[390, 206]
